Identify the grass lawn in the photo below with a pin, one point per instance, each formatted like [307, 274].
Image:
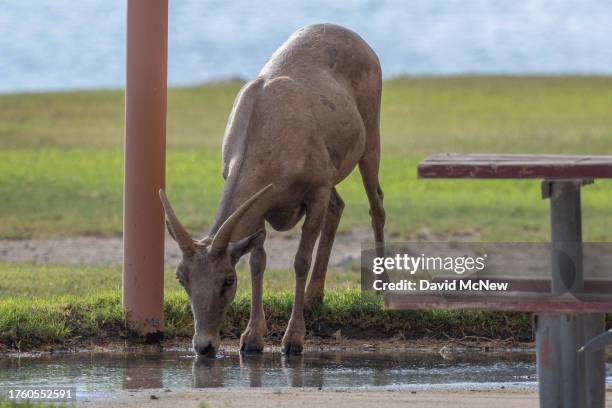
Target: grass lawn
[61, 174]
[61, 161]
[45, 281]
[75, 306]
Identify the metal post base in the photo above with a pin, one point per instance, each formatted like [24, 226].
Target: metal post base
[566, 378]
[548, 357]
[558, 338]
[594, 362]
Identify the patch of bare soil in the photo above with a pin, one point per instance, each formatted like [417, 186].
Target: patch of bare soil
[337, 398]
[280, 247]
[89, 250]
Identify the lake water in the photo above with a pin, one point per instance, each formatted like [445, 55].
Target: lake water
[62, 44]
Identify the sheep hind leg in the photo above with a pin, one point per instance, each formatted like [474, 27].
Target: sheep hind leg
[316, 285]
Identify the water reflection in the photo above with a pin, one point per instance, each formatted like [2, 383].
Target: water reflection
[104, 372]
[293, 368]
[358, 369]
[254, 370]
[134, 378]
[208, 372]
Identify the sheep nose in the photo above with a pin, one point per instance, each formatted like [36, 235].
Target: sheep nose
[205, 349]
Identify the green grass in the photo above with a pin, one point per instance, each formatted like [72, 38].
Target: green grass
[61, 161]
[55, 311]
[419, 115]
[34, 281]
[94, 119]
[61, 174]
[71, 192]
[498, 114]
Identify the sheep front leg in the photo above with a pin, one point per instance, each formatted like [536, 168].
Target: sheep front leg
[293, 340]
[252, 340]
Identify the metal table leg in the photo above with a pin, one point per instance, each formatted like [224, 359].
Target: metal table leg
[595, 362]
[564, 381]
[548, 356]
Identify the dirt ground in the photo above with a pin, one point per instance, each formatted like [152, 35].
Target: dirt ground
[337, 398]
[85, 250]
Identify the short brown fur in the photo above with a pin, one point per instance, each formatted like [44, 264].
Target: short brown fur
[295, 132]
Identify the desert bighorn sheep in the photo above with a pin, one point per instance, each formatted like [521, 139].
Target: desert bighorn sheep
[295, 132]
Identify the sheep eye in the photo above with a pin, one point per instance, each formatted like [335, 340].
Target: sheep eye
[228, 282]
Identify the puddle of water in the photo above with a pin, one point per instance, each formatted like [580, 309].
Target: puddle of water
[103, 373]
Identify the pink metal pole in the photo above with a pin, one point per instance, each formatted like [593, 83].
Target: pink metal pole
[145, 145]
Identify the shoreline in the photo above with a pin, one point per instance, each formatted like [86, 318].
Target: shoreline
[312, 345]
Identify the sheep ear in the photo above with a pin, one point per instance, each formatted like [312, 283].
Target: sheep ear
[245, 245]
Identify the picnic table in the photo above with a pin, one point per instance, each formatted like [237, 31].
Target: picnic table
[562, 323]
